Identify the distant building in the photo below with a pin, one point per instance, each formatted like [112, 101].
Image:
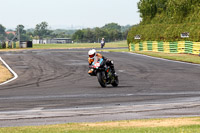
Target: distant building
[52, 41]
[61, 40]
[11, 32]
[35, 41]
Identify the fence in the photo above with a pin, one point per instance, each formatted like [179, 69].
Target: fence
[187, 47]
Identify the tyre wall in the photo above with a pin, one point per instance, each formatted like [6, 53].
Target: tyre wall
[186, 47]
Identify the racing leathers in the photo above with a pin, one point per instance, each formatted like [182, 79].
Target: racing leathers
[107, 62]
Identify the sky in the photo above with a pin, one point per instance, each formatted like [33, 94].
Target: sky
[68, 14]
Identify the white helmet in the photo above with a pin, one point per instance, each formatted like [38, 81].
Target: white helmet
[92, 53]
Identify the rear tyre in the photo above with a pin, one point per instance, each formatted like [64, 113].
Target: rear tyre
[102, 79]
[116, 82]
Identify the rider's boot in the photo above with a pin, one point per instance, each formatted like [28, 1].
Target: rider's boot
[113, 70]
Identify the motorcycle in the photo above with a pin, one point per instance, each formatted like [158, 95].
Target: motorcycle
[104, 73]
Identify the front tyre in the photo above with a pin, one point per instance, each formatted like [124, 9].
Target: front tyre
[102, 79]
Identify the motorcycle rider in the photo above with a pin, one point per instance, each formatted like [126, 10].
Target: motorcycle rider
[94, 55]
[102, 43]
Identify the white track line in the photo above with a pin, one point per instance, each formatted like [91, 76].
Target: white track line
[15, 75]
[165, 59]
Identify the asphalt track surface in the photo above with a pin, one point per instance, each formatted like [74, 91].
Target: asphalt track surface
[53, 87]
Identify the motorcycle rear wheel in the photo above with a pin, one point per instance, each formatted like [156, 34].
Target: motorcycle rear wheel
[102, 79]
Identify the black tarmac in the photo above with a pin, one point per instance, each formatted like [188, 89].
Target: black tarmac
[53, 87]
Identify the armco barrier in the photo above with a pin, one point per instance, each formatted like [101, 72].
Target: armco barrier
[187, 47]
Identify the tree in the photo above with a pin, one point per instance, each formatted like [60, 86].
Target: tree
[78, 36]
[21, 29]
[149, 8]
[23, 35]
[114, 35]
[10, 36]
[88, 35]
[111, 32]
[112, 26]
[41, 30]
[174, 11]
[100, 33]
[2, 33]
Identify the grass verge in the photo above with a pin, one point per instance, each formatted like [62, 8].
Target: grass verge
[5, 74]
[75, 45]
[80, 45]
[169, 125]
[177, 57]
[114, 50]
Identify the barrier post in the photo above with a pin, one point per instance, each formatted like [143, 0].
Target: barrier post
[196, 48]
[149, 45]
[145, 48]
[160, 47]
[14, 44]
[155, 46]
[173, 47]
[132, 47]
[140, 46]
[188, 47]
[181, 47]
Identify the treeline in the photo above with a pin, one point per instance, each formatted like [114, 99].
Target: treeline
[111, 32]
[169, 11]
[41, 31]
[165, 20]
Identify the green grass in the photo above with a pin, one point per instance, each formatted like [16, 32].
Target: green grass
[182, 129]
[80, 45]
[114, 50]
[148, 126]
[178, 57]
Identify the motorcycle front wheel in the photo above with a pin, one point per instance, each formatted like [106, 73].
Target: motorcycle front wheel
[102, 79]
